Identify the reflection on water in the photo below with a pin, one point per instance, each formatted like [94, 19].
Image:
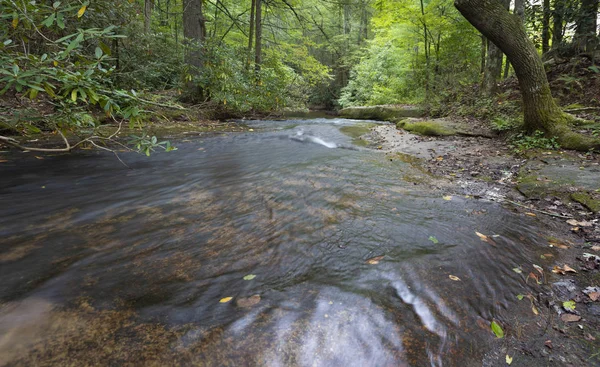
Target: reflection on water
[102, 265]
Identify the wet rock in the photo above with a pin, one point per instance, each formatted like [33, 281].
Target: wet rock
[594, 309]
[565, 289]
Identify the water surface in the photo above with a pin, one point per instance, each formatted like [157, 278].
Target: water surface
[104, 265]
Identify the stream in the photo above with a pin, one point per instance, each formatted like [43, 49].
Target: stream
[332, 255]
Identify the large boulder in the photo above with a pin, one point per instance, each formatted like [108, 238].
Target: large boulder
[381, 113]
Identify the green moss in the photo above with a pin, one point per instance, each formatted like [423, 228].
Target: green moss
[428, 128]
[587, 201]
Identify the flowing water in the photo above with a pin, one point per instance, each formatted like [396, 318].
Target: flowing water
[105, 265]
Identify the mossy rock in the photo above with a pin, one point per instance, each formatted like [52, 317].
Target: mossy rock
[381, 113]
[587, 201]
[428, 128]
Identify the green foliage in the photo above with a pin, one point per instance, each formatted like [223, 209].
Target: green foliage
[401, 65]
[148, 144]
[537, 140]
[503, 122]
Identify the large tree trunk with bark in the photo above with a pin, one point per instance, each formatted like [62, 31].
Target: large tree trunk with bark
[194, 30]
[507, 31]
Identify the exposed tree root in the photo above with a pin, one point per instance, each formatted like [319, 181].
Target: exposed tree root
[569, 139]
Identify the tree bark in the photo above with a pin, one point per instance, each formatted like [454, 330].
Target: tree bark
[251, 31]
[148, 8]
[258, 43]
[557, 24]
[508, 32]
[194, 30]
[493, 70]
[545, 26]
[587, 24]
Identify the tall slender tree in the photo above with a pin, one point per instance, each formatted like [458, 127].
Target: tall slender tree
[194, 31]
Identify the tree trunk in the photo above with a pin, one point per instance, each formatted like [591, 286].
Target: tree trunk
[539, 109]
[427, 55]
[493, 70]
[587, 24]
[545, 26]
[251, 31]
[258, 46]
[148, 8]
[557, 24]
[194, 30]
[508, 32]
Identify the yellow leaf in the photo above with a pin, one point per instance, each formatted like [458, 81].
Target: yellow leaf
[453, 277]
[225, 300]
[482, 236]
[74, 95]
[375, 260]
[55, 63]
[531, 214]
[15, 22]
[81, 11]
[534, 310]
[508, 359]
[448, 198]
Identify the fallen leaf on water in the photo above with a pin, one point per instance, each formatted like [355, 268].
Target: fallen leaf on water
[375, 260]
[517, 270]
[534, 310]
[485, 238]
[249, 277]
[565, 269]
[520, 297]
[569, 317]
[594, 296]
[558, 244]
[589, 337]
[508, 359]
[497, 329]
[539, 269]
[248, 302]
[250, 129]
[534, 276]
[453, 277]
[569, 305]
[548, 343]
[448, 198]
[531, 214]
[225, 300]
[548, 255]
[576, 223]
[38, 157]
[434, 240]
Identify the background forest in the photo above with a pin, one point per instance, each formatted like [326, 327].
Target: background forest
[78, 60]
